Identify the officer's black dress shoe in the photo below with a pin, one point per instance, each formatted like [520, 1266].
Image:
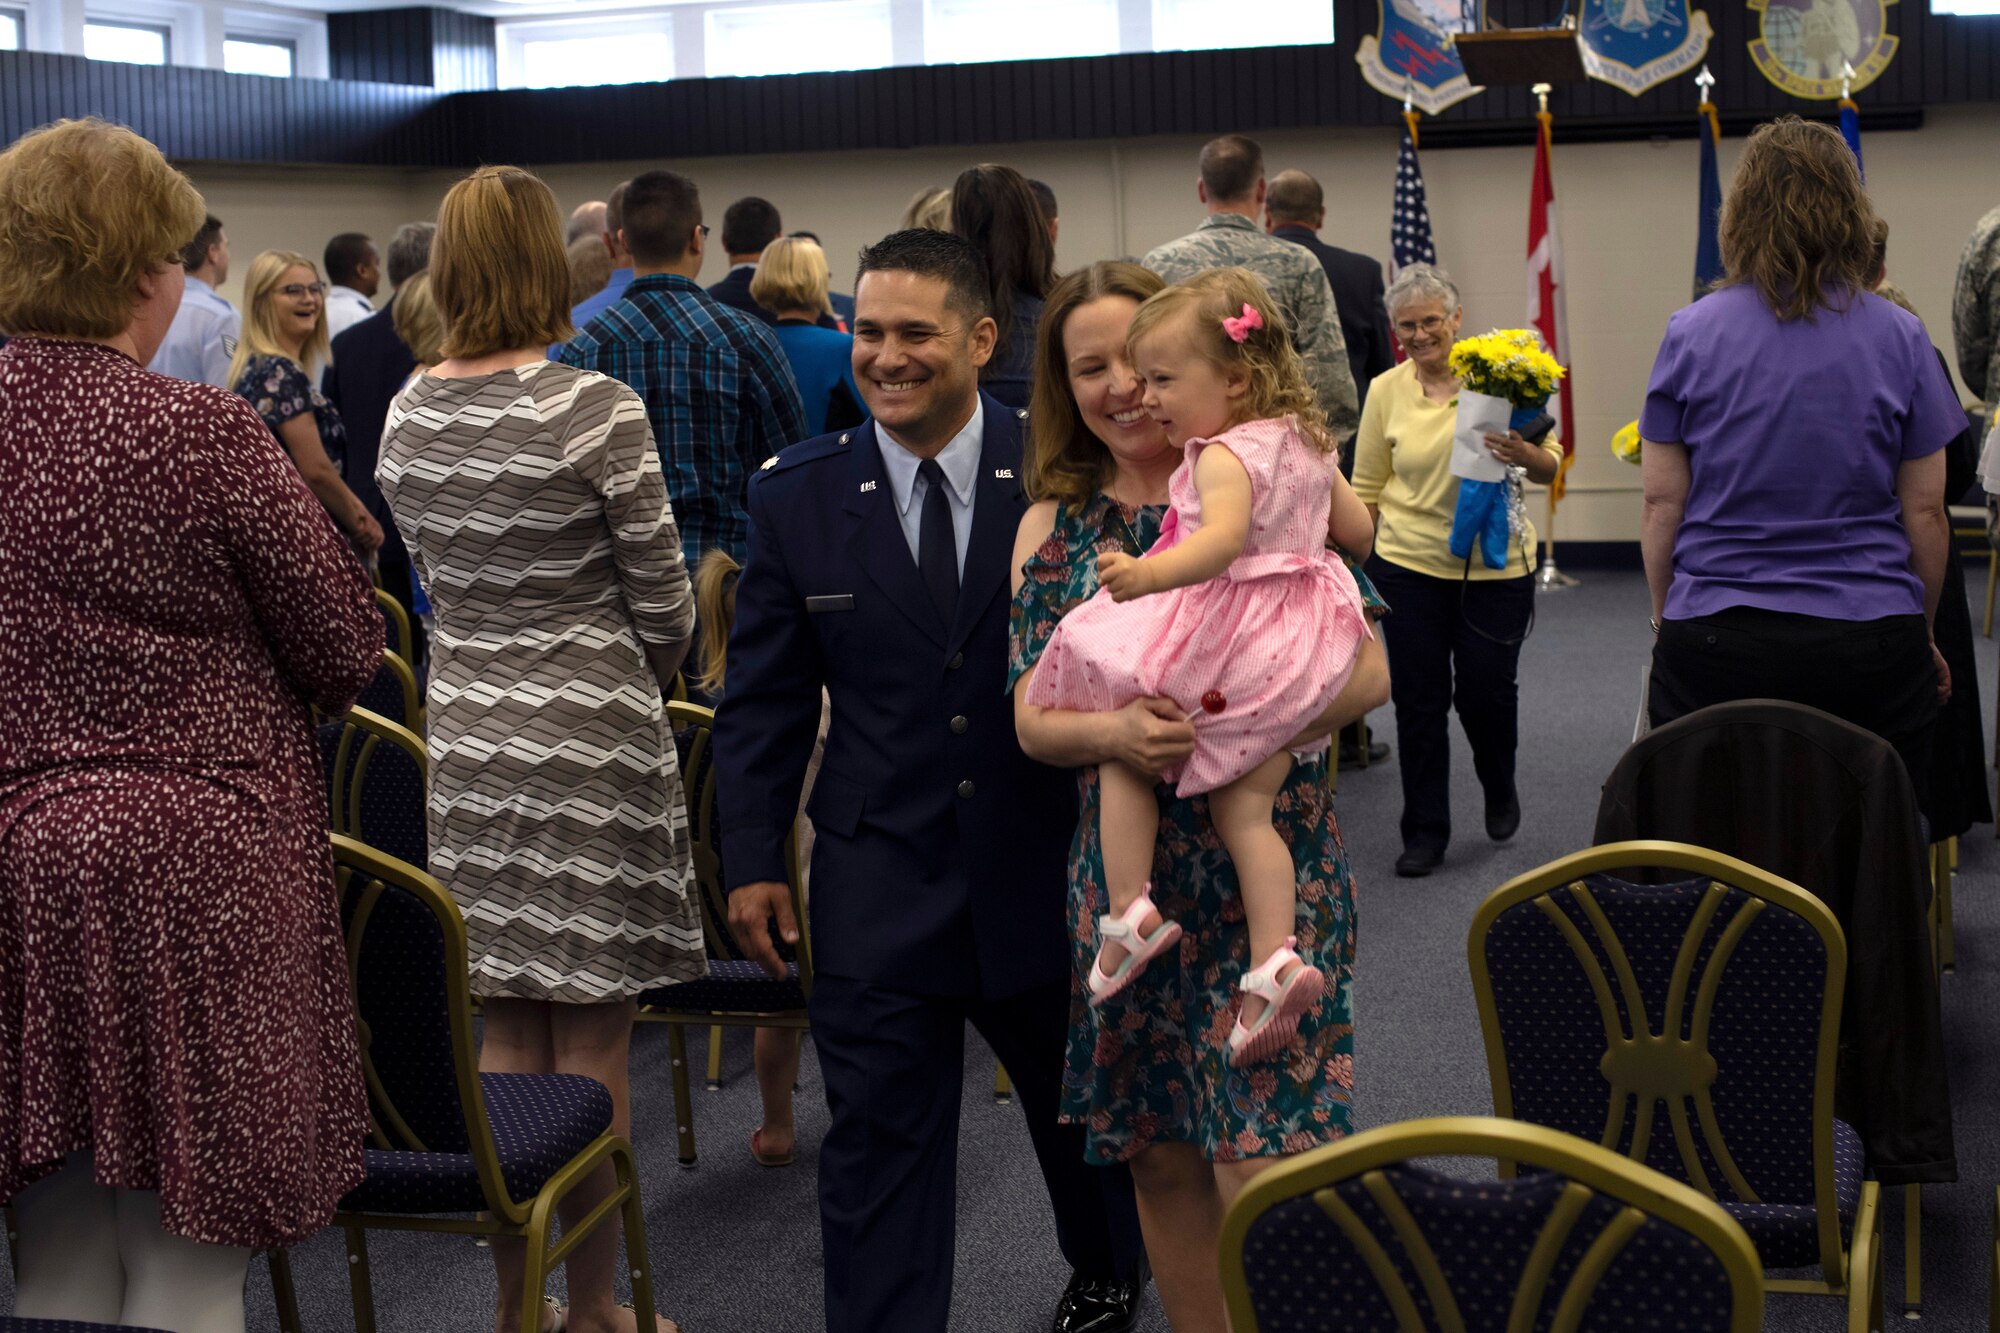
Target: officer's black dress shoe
[1350, 753]
[1503, 817]
[1100, 1305]
[1416, 862]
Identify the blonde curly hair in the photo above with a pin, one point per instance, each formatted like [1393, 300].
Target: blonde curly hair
[1266, 358]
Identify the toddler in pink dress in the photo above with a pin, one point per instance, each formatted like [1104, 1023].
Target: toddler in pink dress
[1239, 613]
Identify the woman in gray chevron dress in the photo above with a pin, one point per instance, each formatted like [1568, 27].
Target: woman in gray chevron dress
[533, 503]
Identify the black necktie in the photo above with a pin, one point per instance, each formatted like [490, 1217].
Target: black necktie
[937, 545]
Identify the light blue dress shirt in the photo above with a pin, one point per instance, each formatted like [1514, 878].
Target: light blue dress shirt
[593, 306]
[959, 461]
[201, 339]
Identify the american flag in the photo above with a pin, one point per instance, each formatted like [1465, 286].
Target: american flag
[1410, 222]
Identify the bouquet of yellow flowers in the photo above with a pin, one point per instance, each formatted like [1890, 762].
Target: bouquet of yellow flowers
[1507, 363]
[1505, 377]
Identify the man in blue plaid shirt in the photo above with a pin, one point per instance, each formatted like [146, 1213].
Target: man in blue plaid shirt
[717, 387]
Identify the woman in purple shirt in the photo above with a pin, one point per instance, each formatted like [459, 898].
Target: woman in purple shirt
[1794, 528]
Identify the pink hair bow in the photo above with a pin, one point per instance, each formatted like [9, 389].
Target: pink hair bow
[1242, 326]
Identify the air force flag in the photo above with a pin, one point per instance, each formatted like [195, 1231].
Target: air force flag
[1634, 44]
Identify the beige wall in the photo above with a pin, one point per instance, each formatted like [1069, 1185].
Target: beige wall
[274, 208]
[1627, 213]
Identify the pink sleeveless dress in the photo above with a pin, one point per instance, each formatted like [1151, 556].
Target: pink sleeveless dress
[1272, 639]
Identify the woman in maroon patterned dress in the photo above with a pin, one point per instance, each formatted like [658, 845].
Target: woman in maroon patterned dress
[178, 1076]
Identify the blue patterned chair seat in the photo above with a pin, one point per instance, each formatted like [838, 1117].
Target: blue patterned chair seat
[540, 1122]
[1787, 1235]
[731, 986]
[1305, 1275]
[66, 1326]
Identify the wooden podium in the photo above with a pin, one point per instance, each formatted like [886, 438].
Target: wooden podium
[1502, 57]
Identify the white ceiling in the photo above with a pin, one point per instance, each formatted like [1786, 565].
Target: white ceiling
[491, 8]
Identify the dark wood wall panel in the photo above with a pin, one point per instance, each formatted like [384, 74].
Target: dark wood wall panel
[463, 55]
[206, 115]
[380, 46]
[414, 87]
[1941, 60]
[440, 49]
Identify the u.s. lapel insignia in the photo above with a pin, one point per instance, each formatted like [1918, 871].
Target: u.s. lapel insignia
[1003, 474]
[867, 486]
[1802, 44]
[768, 463]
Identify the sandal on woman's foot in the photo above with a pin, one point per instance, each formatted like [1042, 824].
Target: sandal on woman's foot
[661, 1324]
[1123, 930]
[757, 1151]
[557, 1321]
[1285, 1002]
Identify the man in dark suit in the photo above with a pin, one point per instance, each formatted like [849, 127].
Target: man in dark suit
[1295, 210]
[748, 226]
[877, 571]
[371, 366]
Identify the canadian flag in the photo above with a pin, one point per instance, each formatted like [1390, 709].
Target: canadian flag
[1545, 280]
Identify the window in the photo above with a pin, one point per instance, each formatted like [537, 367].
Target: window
[960, 32]
[259, 55]
[797, 39]
[568, 62]
[1203, 25]
[131, 43]
[13, 29]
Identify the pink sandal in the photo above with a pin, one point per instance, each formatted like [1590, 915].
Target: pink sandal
[1140, 950]
[1285, 1003]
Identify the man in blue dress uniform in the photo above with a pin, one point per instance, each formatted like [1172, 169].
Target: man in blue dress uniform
[878, 570]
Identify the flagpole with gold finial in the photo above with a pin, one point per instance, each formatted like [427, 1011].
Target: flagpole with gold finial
[1549, 578]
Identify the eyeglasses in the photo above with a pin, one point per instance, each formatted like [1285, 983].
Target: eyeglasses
[296, 290]
[1428, 324]
[702, 227]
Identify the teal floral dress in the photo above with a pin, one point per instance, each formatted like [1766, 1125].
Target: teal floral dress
[1151, 1066]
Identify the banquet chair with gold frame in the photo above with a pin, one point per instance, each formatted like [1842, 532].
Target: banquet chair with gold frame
[379, 798]
[1693, 1026]
[736, 992]
[67, 1325]
[396, 625]
[393, 693]
[1358, 1235]
[450, 1149]
[1993, 1272]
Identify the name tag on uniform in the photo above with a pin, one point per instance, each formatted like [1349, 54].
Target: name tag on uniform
[839, 601]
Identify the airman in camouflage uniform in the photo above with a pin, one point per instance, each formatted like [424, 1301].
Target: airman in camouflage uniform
[1975, 310]
[1232, 180]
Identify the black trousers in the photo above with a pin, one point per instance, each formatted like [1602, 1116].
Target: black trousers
[1453, 643]
[1877, 674]
[888, 1168]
